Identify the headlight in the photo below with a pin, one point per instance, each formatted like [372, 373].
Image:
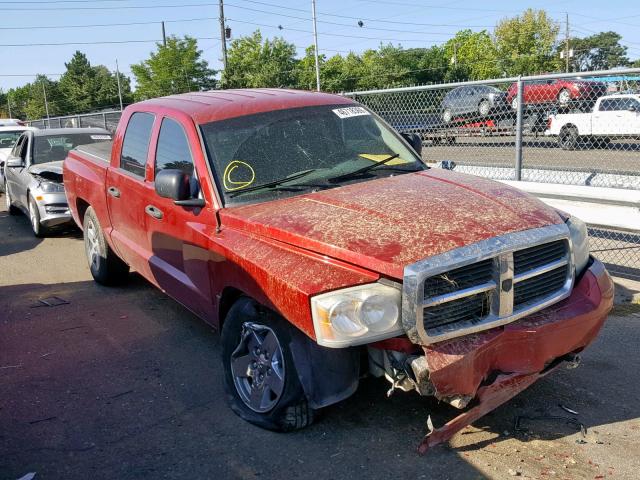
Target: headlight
[357, 315]
[50, 187]
[580, 243]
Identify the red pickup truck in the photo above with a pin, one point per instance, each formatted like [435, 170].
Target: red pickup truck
[319, 243]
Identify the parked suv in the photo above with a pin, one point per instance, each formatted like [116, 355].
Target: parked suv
[561, 92]
[472, 100]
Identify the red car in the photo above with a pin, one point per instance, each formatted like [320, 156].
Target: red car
[313, 236]
[560, 92]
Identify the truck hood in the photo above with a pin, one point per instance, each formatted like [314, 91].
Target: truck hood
[49, 171]
[385, 224]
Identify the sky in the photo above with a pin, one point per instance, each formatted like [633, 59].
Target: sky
[410, 23]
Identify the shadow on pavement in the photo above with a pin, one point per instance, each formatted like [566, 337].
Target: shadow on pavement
[126, 383]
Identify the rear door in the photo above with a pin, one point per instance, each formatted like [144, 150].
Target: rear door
[127, 190]
[177, 235]
[606, 120]
[21, 176]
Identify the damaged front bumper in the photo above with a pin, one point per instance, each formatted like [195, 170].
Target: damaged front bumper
[481, 371]
[53, 209]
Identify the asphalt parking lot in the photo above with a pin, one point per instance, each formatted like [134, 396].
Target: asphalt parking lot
[125, 383]
[620, 157]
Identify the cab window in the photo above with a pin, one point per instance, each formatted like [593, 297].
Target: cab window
[173, 148]
[135, 145]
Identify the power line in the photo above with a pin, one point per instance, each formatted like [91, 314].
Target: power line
[36, 27]
[364, 19]
[106, 42]
[119, 7]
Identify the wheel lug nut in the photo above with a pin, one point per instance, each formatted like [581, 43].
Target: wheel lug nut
[269, 372]
[261, 376]
[254, 364]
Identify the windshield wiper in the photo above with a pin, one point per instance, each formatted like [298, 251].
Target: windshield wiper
[274, 183]
[362, 170]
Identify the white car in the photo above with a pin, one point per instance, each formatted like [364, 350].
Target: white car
[9, 134]
[613, 116]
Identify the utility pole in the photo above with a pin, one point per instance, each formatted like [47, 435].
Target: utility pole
[118, 80]
[455, 55]
[164, 36]
[46, 104]
[566, 44]
[9, 105]
[223, 36]
[315, 43]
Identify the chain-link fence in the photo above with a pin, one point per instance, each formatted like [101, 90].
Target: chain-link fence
[108, 120]
[565, 129]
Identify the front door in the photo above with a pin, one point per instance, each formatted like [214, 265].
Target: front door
[127, 192]
[178, 236]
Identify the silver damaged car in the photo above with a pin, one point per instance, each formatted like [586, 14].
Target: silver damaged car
[33, 174]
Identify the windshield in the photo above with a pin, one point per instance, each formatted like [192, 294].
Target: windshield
[318, 147]
[52, 148]
[8, 139]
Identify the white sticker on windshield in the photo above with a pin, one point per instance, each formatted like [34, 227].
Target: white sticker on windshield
[100, 137]
[349, 112]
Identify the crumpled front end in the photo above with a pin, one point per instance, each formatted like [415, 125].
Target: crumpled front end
[506, 318]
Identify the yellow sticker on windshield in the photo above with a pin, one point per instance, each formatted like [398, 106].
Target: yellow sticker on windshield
[379, 158]
[238, 175]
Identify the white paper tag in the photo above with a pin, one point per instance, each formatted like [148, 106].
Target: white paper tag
[101, 137]
[349, 112]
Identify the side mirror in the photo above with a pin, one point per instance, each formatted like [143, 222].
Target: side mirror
[176, 185]
[15, 162]
[414, 140]
[632, 109]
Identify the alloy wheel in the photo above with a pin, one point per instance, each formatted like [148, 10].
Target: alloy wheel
[33, 217]
[257, 366]
[92, 245]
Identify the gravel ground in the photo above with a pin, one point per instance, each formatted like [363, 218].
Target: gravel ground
[124, 383]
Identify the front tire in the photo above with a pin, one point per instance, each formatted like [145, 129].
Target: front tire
[34, 218]
[260, 378]
[564, 97]
[106, 267]
[484, 108]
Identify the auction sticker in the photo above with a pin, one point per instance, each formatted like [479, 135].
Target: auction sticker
[349, 112]
[100, 137]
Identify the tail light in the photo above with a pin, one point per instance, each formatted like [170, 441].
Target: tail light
[549, 122]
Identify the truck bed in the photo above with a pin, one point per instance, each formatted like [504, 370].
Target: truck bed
[99, 151]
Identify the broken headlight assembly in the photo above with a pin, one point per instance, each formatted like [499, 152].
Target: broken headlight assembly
[51, 187]
[579, 242]
[357, 315]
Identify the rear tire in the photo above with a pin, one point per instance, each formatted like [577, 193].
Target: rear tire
[106, 267]
[262, 386]
[568, 138]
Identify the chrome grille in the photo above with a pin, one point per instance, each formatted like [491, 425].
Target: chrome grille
[458, 279]
[541, 286]
[486, 284]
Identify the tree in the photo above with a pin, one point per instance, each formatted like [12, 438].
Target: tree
[601, 51]
[174, 68]
[252, 62]
[35, 106]
[525, 43]
[88, 88]
[472, 55]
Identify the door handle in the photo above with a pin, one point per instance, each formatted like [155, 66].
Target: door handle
[114, 192]
[153, 211]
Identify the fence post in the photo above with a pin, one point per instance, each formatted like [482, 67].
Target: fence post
[104, 120]
[519, 110]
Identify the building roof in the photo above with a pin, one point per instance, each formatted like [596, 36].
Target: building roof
[215, 105]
